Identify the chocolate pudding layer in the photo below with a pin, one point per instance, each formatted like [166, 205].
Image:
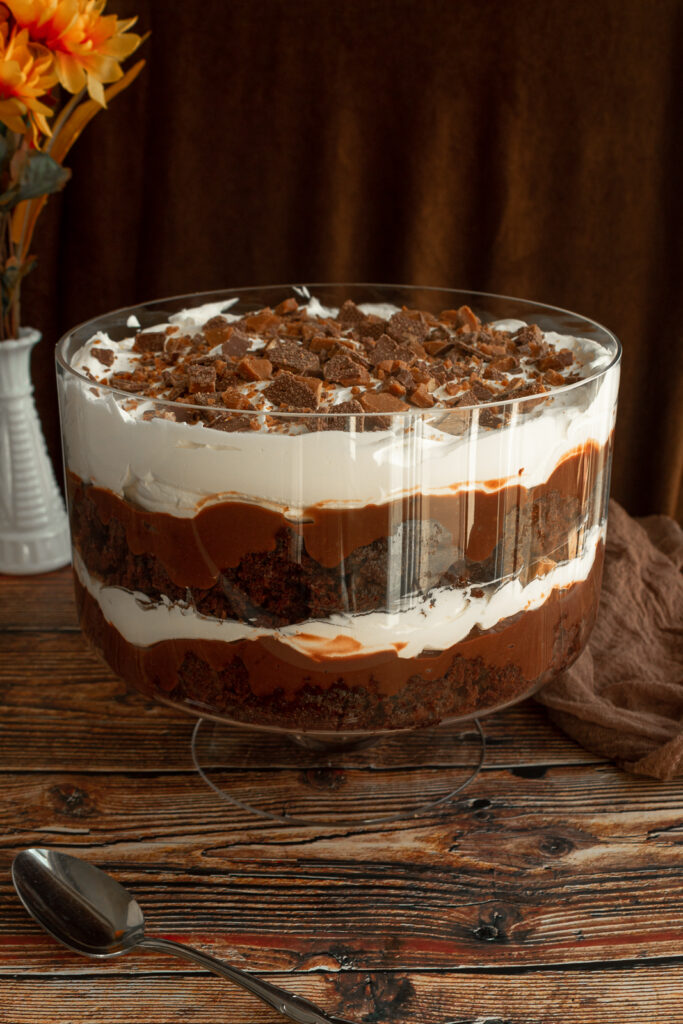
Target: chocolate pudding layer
[265, 683]
[240, 561]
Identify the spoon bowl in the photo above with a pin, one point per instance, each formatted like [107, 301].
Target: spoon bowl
[81, 906]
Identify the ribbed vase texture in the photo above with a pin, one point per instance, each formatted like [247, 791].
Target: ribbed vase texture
[34, 531]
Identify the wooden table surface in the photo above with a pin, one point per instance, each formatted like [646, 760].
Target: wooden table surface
[551, 891]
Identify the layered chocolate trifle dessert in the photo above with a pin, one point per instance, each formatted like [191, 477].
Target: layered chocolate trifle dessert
[338, 510]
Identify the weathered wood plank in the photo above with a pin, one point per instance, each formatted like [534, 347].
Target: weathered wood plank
[600, 806]
[127, 730]
[68, 710]
[565, 868]
[641, 996]
[45, 601]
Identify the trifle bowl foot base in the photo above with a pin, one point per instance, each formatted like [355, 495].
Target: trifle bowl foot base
[317, 783]
[338, 745]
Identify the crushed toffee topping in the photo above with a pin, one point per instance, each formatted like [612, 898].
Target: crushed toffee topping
[285, 360]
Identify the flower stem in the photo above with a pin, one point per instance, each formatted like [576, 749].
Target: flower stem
[4, 255]
[14, 306]
[64, 116]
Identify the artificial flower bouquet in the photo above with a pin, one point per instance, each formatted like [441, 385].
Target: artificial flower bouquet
[56, 57]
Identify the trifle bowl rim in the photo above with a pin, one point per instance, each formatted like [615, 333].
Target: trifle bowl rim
[195, 300]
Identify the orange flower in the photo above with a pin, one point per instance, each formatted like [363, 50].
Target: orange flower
[26, 74]
[87, 46]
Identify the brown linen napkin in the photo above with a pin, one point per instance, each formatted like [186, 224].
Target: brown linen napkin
[623, 698]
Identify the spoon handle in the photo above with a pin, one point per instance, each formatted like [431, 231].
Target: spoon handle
[295, 1007]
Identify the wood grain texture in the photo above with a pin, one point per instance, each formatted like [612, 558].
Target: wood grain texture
[38, 602]
[641, 995]
[551, 891]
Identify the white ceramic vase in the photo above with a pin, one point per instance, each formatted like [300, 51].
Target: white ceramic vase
[34, 530]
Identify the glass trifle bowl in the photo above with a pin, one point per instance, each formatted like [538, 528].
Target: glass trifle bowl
[338, 511]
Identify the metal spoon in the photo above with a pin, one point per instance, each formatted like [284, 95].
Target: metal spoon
[86, 910]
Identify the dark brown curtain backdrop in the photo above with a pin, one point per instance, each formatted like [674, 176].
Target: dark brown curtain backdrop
[528, 147]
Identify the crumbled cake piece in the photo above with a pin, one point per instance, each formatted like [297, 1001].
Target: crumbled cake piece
[105, 355]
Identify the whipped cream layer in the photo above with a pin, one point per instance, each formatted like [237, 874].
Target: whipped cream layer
[436, 623]
[177, 468]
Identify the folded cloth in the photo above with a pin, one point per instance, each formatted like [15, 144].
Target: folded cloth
[623, 697]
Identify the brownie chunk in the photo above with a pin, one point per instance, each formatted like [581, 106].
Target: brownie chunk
[149, 341]
[288, 355]
[236, 345]
[105, 356]
[290, 392]
[343, 369]
[201, 378]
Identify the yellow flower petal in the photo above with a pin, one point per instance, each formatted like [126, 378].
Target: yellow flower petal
[102, 68]
[96, 91]
[70, 72]
[10, 75]
[11, 114]
[122, 46]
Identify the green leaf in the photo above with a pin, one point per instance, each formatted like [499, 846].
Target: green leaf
[40, 176]
[8, 199]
